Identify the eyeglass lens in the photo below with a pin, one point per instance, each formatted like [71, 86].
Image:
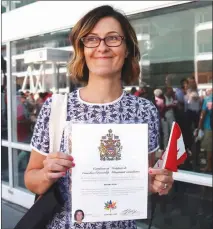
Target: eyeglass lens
[111, 41]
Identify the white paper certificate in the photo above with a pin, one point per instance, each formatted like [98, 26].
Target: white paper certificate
[110, 179]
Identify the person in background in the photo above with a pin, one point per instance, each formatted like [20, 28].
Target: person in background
[23, 122]
[170, 104]
[144, 93]
[133, 90]
[205, 124]
[47, 95]
[24, 103]
[138, 92]
[181, 92]
[208, 92]
[147, 93]
[168, 80]
[192, 85]
[160, 104]
[37, 107]
[192, 109]
[179, 111]
[141, 89]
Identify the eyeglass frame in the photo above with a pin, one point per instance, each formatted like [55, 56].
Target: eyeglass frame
[103, 39]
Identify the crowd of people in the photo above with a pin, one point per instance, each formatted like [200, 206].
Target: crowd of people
[191, 109]
[28, 108]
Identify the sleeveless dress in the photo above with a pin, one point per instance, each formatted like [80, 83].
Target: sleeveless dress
[126, 109]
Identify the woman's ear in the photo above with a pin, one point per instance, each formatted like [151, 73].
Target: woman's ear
[127, 53]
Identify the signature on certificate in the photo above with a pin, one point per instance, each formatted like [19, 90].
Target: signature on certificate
[130, 212]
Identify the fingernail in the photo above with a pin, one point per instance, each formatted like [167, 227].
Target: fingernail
[73, 164]
[150, 171]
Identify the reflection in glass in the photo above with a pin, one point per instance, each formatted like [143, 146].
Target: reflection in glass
[4, 5]
[4, 129]
[176, 65]
[167, 42]
[20, 161]
[39, 71]
[18, 4]
[4, 164]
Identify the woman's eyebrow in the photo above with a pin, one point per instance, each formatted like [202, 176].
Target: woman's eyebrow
[106, 33]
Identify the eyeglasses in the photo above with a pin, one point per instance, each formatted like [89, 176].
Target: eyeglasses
[94, 41]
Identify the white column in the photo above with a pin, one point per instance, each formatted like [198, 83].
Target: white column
[54, 77]
[43, 76]
[9, 112]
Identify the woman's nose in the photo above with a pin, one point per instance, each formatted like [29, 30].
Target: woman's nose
[102, 46]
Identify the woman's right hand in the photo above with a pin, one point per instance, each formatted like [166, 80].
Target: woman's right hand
[56, 165]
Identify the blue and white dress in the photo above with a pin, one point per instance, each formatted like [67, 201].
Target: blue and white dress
[126, 109]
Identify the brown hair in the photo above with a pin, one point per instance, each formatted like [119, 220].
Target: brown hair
[77, 66]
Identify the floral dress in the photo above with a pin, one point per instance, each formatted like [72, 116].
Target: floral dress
[126, 109]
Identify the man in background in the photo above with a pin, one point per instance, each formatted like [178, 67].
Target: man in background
[205, 124]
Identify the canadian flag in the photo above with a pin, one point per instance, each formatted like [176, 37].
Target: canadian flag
[175, 153]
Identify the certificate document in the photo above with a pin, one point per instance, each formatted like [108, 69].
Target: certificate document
[110, 179]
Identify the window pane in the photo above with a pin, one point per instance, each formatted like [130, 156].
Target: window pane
[20, 161]
[167, 41]
[4, 164]
[4, 123]
[18, 4]
[39, 68]
[175, 45]
[4, 6]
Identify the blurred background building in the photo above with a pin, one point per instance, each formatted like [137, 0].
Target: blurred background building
[175, 39]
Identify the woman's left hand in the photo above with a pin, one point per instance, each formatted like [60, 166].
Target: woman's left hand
[161, 181]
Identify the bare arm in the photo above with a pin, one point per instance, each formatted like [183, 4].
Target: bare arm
[202, 116]
[43, 171]
[34, 176]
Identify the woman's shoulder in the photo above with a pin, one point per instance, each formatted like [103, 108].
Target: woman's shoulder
[141, 102]
[46, 107]
[72, 96]
[48, 101]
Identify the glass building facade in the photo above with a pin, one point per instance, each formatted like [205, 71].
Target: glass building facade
[14, 4]
[173, 40]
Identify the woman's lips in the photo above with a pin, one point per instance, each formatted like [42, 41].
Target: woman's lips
[103, 57]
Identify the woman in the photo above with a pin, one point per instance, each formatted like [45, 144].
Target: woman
[106, 53]
[179, 111]
[78, 216]
[170, 104]
[160, 104]
[192, 109]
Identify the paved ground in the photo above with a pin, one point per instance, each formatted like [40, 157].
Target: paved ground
[9, 209]
[11, 214]
[191, 209]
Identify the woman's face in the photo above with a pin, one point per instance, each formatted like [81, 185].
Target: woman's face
[169, 91]
[79, 216]
[185, 85]
[103, 60]
[192, 83]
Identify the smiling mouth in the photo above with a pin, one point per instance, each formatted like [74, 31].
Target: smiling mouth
[103, 57]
